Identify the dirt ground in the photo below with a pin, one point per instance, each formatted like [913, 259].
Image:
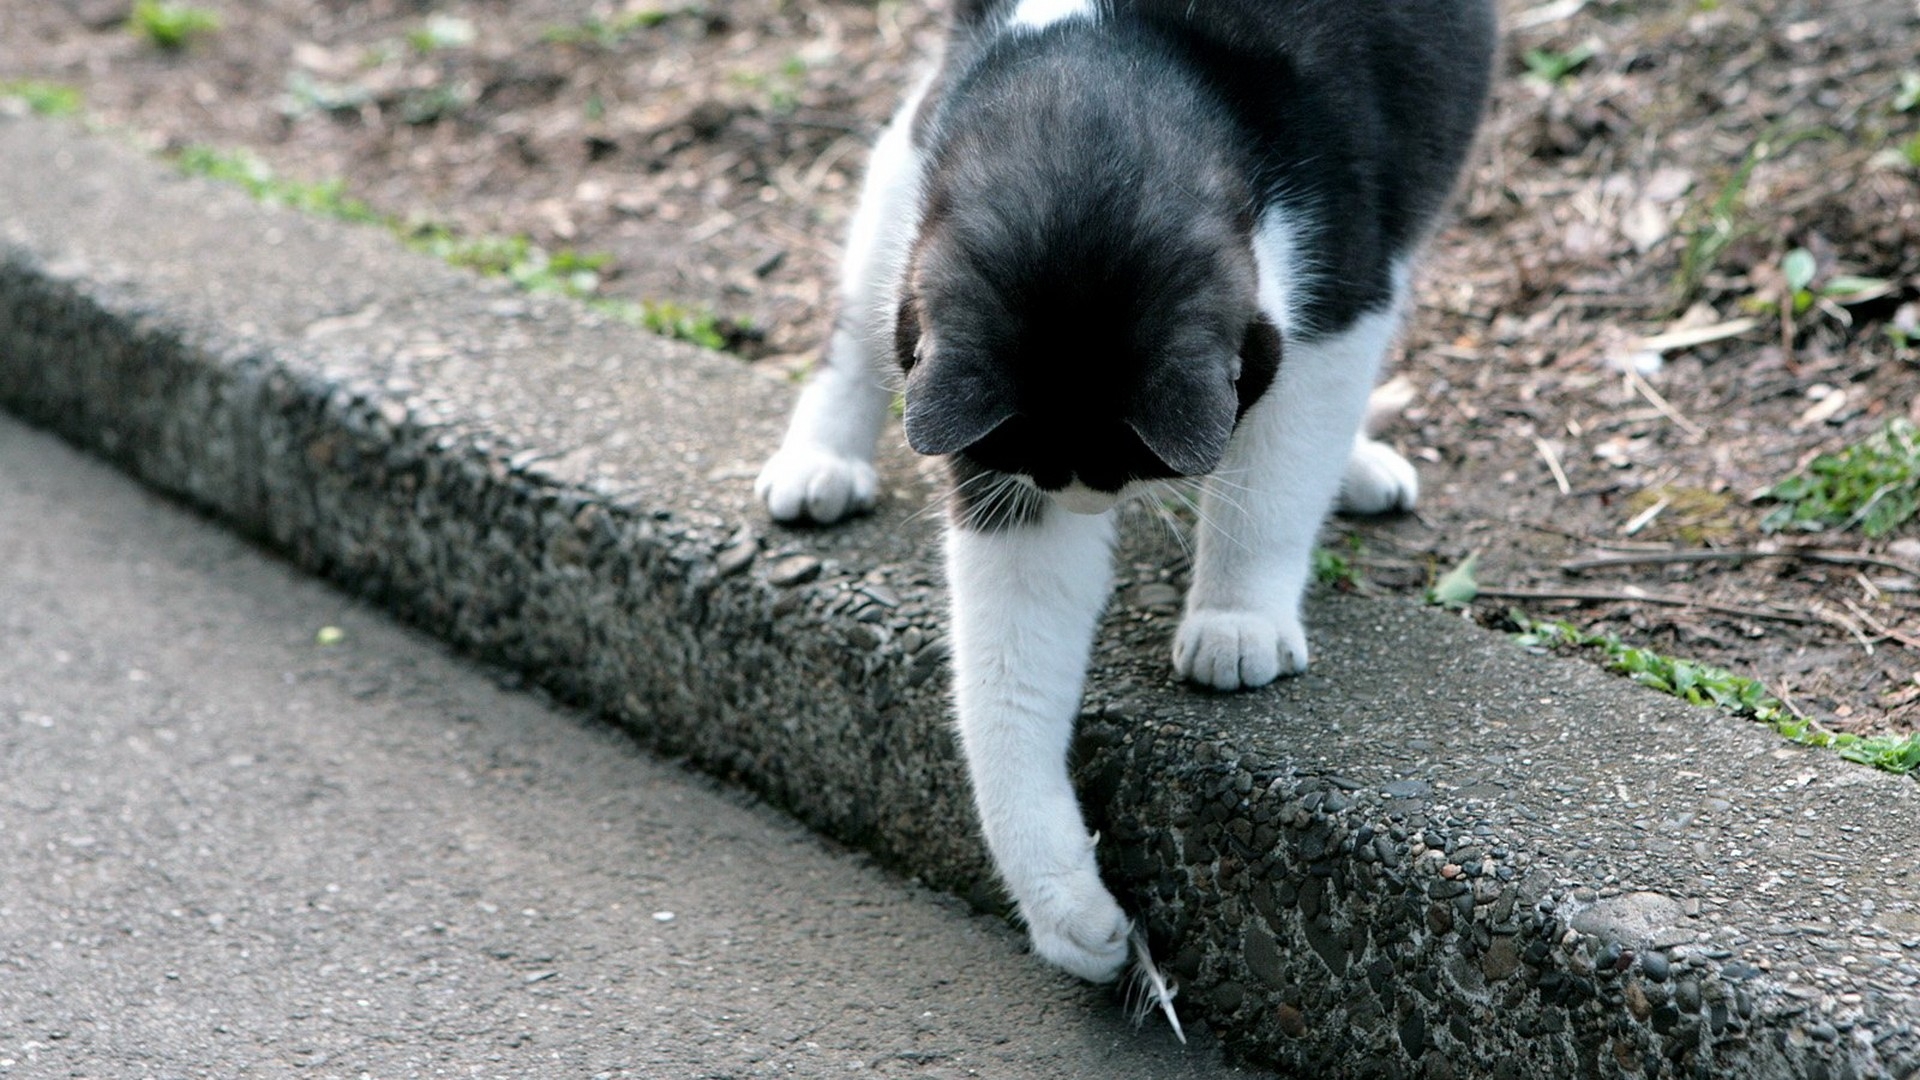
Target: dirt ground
[1646, 169]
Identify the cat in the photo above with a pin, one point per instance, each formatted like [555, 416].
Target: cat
[1110, 243]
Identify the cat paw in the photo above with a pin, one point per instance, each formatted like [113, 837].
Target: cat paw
[811, 484]
[1076, 926]
[1378, 480]
[1233, 650]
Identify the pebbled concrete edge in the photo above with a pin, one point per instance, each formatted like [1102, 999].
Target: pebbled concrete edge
[1319, 920]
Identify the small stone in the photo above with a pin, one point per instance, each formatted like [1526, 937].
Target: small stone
[793, 570]
[1155, 595]
[1637, 1002]
[1292, 1022]
[736, 558]
[1656, 966]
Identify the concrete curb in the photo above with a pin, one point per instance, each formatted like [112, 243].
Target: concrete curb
[1433, 855]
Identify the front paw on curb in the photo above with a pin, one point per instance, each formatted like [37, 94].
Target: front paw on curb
[1236, 650]
[811, 484]
[1080, 930]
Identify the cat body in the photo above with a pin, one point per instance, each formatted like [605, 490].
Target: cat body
[1111, 244]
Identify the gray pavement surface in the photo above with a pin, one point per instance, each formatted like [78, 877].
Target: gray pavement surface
[229, 850]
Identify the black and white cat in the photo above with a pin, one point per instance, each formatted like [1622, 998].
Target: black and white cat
[1112, 243]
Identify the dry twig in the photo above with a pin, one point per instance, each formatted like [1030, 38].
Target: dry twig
[1646, 390]
[1879, 627]
[1826, 555]
[1595, 596]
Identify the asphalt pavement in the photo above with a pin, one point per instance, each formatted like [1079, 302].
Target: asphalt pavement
[249, 826]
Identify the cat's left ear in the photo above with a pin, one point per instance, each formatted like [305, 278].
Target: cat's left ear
[1187, 409]
[1184, 412]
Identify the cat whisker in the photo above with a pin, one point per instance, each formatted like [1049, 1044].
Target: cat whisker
[1152, 501]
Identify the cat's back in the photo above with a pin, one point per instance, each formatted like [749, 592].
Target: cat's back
[1308, 31]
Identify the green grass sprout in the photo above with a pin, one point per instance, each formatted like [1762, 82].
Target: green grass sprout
[1457, 587]
[1550, 67]
[609, 32]
[529, 266]
[1704, 684]
[1873, 485]
[171, 26]
[441, 32]
[1715, 227]
[42, 98]
[327, 198]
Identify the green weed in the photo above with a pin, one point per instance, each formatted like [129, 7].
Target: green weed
[305, 94]
[1910, 151]
[1456, 588]
[607, 33]
[1333, 568]
[517, 258]
[1550, 67]
[1907, 97]
[328, 198]
[1874, 486]
[781, 86]
[668, 319]
[441, 32]
[1715, 227]
[1703, 684]
[42, 98]
[429, 104]
[528, 265]
[170, 26]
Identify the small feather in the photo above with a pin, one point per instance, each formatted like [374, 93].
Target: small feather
[1148, 990]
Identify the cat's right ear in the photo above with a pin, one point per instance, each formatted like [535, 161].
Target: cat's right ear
[952, 401]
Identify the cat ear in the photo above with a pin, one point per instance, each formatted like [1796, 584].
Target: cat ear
[1184, 412]
[953, 401]
[1187, 409]
[906, 332]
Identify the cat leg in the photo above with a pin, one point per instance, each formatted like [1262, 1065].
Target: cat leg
[1027, 597]
[1263, 508]
[1378, 480]
[823, 470]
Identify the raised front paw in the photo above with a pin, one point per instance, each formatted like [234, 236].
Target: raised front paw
[1076, 926]
[1233, 650]
[811, 484]
[1378, 480]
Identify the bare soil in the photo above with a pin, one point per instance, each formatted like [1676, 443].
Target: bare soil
[713, 149]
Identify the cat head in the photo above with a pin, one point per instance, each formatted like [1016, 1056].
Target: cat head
[1079, 307]
[1118, 352]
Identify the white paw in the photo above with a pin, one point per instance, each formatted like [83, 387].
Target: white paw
[1378, 480]
[1076, 926]
[1231, 650]
[808, 483]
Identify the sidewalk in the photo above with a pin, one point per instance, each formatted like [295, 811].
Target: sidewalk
[1431, 855]
[230, 851]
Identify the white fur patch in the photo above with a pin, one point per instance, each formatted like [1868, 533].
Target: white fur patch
[1036, 14]
[1265, 504]
[1026, 602]
[1082, 499]
[823, 470]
